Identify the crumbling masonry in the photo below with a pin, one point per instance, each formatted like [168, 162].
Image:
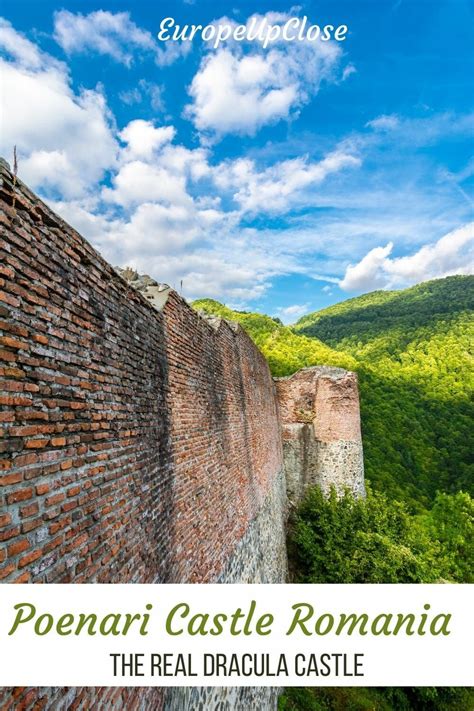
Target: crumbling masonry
[142, 442]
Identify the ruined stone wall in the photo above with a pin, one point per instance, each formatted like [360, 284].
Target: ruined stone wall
[138, 445]
[322, 444]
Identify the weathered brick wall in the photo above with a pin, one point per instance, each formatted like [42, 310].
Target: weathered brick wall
[137, 445]
[320, 419]
[141, 442]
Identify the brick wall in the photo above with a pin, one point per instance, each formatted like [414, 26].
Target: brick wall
[138, 445]
[141, 442]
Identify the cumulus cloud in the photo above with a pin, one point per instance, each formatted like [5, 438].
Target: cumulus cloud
[165, 227]
[146, 200]
[21, 50]
[51, 135]
[193, 244]
[111, 34]
[238, 90]
[138, 182]
[152, 169]
[451, 254]
[234, 95]
[369, 273]
[143, 138]
[279, 186]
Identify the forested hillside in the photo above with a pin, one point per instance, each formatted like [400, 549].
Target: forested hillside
[412, 350]
[415, 363]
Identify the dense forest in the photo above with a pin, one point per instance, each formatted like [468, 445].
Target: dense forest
[412, 350]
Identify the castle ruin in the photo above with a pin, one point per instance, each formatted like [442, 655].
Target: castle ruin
[144, 443]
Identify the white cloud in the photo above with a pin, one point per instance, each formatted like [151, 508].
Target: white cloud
[289, 314]
[138, 182]
[238, 92]
[111, 34]
[174, 212]
[451, 254]
[52, 170]
[143, 138]
[348, 71]
[423, 130]
[21, 50]
[152, 169]
[280, 186]
[193, 163]
[131, 96]
[384, 123]
[51, 134]
[156, 229]
[227, 100]
[368, 273]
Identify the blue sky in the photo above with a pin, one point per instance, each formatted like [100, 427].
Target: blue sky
[278, 179]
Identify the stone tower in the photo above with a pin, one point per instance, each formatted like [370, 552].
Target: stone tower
[320, 419]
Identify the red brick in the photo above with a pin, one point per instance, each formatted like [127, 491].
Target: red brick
[10, 342]
[6, 570]
[56, 499]
[36, 443]
[14, 373]
[29, 510]
[73, 491]
[7, 479]
[24, 577]
[20, 495]
[15, 400]
[29, 558]
[7, 356]
[25, 460]
[42, 489]
[58, 441]
[9, 299]
[5, 519]
[18, 547]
